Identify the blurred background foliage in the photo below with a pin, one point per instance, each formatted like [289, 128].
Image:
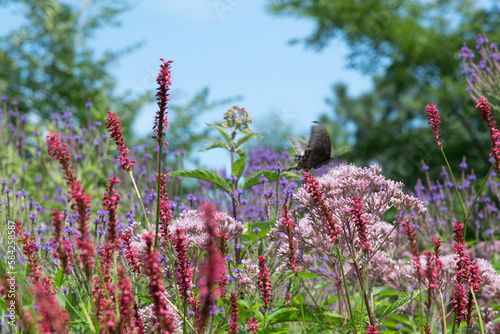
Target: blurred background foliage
[410, 48]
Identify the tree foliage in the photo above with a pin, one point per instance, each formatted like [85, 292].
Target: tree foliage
[48, 65]
[412, 47]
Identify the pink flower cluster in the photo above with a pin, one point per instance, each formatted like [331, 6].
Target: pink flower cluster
[333, 194]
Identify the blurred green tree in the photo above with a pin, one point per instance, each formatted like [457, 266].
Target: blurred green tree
[48, 65]
[412, 48]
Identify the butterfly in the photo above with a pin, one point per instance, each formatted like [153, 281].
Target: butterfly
[314, 154]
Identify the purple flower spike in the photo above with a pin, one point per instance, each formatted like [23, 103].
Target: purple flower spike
[4, 97]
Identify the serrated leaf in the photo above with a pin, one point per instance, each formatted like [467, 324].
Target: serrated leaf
[239, 166]
[222, 131]
[215, 144]
[270, 175]
[399, 303]
[203, 174]
[246, 138]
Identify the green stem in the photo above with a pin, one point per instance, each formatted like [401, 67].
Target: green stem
[478, 193]
[303, 323]
[455, 184]
[140, 200]
[158, 195]
[443, 321]
[481, 326]
[346, 292]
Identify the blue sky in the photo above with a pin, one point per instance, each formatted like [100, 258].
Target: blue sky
[234, 47]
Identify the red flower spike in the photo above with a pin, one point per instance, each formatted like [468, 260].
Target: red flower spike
[289, 226]
[113, 124]
[162, 96]
[214, 270]
[312, 186]
[81, 200]
[30, 249]
[183, 265]
[357, 214]
[252, 325]
[63, 250]
[485, 113]
[130, 253]
[164, 320]
[53, 319]
[264, 282]
[110, 202]
[412, 238]
[233, 323]
[165, 211]
[467, 277]
[433, 115]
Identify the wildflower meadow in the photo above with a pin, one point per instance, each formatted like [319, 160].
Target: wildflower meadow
[100, 237]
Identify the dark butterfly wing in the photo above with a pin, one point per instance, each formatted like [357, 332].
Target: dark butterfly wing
[299, 146]
[317, 152]
[320, 141]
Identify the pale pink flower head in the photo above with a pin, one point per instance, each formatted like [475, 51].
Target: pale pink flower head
[378, 195]
[191, 222]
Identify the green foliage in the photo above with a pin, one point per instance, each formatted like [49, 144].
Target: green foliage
[412, 48]
[64, 71]
[185, 128]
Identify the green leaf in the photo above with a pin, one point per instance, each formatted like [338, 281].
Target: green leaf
[335, 314]
[311, 315]
[239, 166]
[241, 151]
[270, 175]
[275, 330]
[59, 278]
[264, 230]
[246, 138]
[399, 303]
[215, 144]
[308, 275]
[222, 131]
[203, 174]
